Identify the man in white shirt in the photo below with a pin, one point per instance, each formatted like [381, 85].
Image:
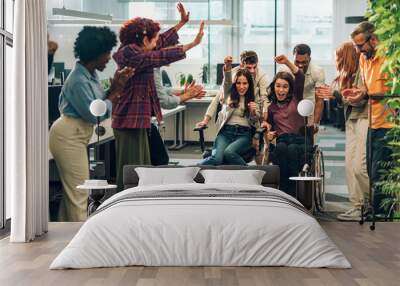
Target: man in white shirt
[314, 77]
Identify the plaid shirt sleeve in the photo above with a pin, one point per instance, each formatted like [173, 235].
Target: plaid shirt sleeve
[135, 57]
[167, 39]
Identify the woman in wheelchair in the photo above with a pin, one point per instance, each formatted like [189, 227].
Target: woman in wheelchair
[239, 114]
[284, 124]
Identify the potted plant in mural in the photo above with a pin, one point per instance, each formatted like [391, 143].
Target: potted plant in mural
[204, 74]
[385, 15]
[182, 79]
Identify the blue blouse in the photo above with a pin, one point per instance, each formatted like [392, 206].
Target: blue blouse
[79, 90]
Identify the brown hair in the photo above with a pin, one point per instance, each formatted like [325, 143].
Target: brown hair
[134, 30]
[347, 59]
[249, 96]
[366, 28]
[285, 76]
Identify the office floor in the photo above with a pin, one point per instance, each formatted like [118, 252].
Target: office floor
[374, 255]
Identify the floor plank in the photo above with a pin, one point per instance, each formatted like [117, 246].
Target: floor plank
[374, 255]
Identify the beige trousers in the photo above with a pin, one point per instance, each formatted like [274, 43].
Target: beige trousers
[356, 160]
[69, 138]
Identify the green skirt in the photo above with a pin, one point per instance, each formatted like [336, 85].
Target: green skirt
[132, 148]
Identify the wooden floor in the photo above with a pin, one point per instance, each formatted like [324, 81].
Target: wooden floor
[374, 255]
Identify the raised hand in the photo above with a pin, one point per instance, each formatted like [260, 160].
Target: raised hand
[281, 59]
[197, 39]
[200, 34]
[228, 63]
[182, 12]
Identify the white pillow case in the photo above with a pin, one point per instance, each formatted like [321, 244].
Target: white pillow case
[166, 176]
[248, 177]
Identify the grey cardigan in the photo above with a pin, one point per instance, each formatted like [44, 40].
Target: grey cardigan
[226, 112]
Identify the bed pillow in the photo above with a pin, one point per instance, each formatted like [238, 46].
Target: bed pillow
[166, 176]
[248, 177]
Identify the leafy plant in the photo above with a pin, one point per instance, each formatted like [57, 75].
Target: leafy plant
[182, 79]
[189, 78]
[105, 83]
[204, 74]
[385, 15]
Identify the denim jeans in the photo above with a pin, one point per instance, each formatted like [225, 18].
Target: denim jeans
[377, 153]
[232, 141]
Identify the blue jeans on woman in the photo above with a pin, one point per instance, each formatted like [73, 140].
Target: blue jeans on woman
[232, 141]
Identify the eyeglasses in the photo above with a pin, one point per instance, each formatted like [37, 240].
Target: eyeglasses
[361, 45]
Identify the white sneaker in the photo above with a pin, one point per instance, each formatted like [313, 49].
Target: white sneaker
[353, 214]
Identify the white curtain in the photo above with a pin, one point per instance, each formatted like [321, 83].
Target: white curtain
[26, 123]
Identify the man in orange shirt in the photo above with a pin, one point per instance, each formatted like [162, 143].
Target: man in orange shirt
[366, 42]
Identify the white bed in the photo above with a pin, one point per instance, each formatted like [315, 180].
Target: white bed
[225, 225]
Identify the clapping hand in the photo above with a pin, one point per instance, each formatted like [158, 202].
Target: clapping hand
[228, 63]
[194, 90]
[354, 95]
[324, 92]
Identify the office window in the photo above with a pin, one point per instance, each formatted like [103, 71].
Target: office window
[312, 24]
[258, 30]
[7, 94]
[6, 28]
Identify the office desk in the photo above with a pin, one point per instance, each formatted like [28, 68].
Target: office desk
[179, 123]
[202, 100]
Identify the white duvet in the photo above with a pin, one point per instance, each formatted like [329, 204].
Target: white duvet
[188, 231]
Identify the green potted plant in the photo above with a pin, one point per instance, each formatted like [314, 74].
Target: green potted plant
[204, 74]
[385, 15]
[180, 79]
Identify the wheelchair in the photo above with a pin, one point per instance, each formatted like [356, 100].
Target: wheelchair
[314, 167]
[248, 155]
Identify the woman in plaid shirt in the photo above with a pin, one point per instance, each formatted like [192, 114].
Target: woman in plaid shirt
[143, 48]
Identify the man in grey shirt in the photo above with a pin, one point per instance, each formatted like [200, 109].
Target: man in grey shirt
[168, 100]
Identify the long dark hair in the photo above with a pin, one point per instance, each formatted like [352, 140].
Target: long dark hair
[271, 89]
[248, 97]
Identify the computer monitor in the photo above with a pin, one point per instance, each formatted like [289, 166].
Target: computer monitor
[53, 95]
[220, 72]
[58, 69]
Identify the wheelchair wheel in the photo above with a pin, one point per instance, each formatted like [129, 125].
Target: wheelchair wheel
[318, 170]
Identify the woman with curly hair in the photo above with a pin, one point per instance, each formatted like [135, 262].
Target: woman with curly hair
[238, 115]
[284, 123]
[143, 48]
[70, 134]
